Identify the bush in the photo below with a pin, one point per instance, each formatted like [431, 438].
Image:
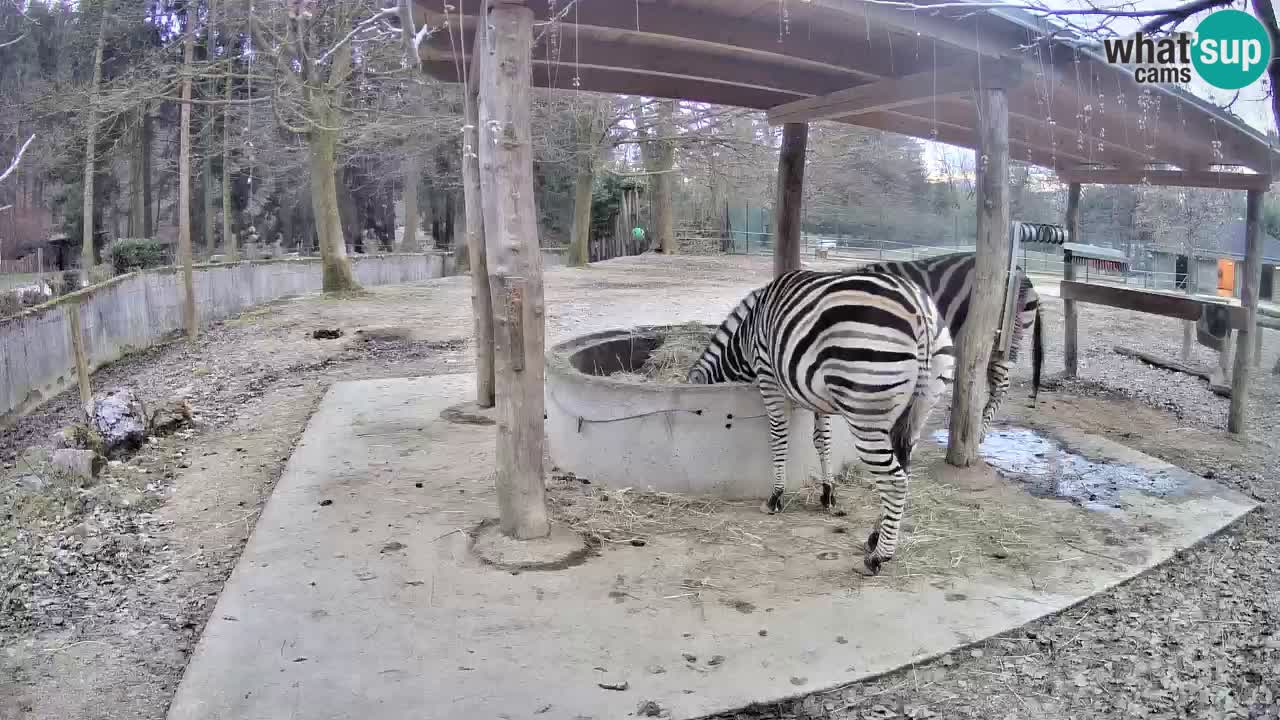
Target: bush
[128, 254]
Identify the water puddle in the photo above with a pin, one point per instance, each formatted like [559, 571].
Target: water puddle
[1049, 469]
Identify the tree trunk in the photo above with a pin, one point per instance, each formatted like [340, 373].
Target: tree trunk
[588, 131]
[148, 218]
[184, 180]
[973, 347]
[208, 189]
[87, 255]
[511, 233]
[412, 171]
[481, 299]
[338, 276]
[791, 156]
[581, 232]
[664, 180]
[230, 247]
[137, 211]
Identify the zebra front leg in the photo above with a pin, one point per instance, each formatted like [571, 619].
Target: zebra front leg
[891, 482]
[822, 443]
[776, 407]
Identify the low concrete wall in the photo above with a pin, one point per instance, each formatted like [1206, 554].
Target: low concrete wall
[688, 439]
[139, 309]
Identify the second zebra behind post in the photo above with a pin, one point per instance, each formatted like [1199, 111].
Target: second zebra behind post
[870, 347]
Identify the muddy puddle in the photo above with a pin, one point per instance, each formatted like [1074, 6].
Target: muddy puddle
[1049, 469]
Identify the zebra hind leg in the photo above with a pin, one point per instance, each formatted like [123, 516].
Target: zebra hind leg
[878, 453]
[822, 443]
[997, 386]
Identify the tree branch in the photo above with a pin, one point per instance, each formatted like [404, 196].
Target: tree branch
[17, 158]
[1180, 13]
[367, 23]
[1266, 13]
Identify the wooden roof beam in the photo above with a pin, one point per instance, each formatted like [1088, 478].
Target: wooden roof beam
[898, 92]
[1168, 178]
[613, 20]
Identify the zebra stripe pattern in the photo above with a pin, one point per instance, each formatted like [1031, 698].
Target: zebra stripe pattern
[870, 347]
[949, 281]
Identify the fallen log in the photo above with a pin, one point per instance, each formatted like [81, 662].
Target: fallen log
[1175, 366]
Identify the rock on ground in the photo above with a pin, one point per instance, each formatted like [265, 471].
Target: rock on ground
[119, 416]
[83, 465]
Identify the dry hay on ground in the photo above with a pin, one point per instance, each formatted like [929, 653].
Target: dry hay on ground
[679, 347]
[958, 524]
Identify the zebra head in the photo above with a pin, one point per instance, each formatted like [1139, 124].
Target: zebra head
[727, 357]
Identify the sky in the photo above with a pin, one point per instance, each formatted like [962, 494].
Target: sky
[1252, 106]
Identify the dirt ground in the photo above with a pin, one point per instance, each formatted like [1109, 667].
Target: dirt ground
[116, 593]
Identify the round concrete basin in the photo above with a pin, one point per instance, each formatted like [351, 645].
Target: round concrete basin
[687, 439]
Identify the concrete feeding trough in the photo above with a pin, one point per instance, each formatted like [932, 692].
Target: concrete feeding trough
[688, 439]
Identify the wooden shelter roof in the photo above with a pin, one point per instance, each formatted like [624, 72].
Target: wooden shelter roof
[1068, 109]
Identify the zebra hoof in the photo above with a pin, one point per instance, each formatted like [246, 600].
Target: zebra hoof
[773, 505]
[870, 566]
[828, 496]
[872, 541]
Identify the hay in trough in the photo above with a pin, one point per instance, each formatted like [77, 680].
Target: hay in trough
[678, 348]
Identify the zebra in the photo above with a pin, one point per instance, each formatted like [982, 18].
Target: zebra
[949, 280]
[871, 347]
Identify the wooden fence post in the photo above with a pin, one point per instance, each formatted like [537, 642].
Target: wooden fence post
[973, 347]
[1240, 377]
[72, 311]
[1069, 309]
[515, 266]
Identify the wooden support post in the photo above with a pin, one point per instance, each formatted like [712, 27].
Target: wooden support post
[1240, 377]
[973, 347]
[76, 335]
[515, 265]
[1070, 358]
[481, 300]
[786, 246]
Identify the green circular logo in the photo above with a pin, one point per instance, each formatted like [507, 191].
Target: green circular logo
[1232, 49]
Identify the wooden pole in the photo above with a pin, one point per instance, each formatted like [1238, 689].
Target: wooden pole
[1240, 377]
[786, 246]
[973, 347]
[515, 265]
[481, 299]
[1070, 358]
[81, 357]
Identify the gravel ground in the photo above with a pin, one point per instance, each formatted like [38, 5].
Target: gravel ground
[119, 583]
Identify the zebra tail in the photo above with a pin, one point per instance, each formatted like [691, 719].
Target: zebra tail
[904, 433]
[1037, 356]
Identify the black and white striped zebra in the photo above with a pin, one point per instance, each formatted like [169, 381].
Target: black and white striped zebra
[870, 347]
[949, 281]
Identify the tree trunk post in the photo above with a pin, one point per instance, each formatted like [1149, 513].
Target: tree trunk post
[786, 247]
[515, 271]
[1240, 377]
[481, 299]
[1069, 310]
[973, 347]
